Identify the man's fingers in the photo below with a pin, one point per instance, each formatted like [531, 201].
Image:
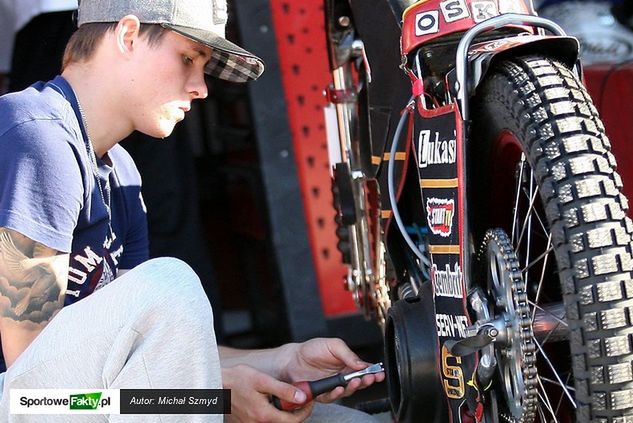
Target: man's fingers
[339, 349]
[284, 392]
[366, 381]
[333, 395]
[268, 385]
[252, 392]
[287, 393]
[291, 416]
[301, 414]
[271, 414]
[353, 386]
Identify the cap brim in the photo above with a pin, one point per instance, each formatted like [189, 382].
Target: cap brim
[228, 61]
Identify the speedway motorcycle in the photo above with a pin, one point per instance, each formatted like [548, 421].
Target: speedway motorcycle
[480, 212]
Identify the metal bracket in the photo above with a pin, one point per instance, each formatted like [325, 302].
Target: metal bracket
[461, 58]
[342, 96]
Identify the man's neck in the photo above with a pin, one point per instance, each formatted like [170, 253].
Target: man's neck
[105, 123]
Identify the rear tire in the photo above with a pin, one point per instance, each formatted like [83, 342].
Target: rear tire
[535, 106]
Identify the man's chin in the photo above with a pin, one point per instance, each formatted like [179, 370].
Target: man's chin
[162, 132]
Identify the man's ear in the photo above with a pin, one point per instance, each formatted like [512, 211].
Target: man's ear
[127, 32]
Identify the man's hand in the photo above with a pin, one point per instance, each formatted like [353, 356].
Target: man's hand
[323, 357]
[251, 392]
[255, 375]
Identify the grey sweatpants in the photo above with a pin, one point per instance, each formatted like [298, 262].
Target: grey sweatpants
[150, 328]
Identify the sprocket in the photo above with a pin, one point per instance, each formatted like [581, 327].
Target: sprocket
[515, 345]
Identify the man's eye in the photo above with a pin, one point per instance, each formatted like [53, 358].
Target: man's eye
[187, 60]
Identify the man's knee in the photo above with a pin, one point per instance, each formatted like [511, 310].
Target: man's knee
[171, 282]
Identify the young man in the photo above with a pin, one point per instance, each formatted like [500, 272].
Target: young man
[72, 225]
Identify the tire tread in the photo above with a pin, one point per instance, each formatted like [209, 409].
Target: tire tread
[568, 150]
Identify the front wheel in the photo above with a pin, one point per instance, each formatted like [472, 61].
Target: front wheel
[542, 171]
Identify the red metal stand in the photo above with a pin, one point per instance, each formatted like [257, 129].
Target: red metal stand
[299, 31]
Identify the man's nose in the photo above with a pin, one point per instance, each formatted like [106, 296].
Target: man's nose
[198, 86]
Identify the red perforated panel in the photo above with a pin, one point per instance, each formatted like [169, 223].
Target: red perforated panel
[299, 30]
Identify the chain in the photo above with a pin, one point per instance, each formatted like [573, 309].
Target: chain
[526, 347]
[507, 418]
[105, 194]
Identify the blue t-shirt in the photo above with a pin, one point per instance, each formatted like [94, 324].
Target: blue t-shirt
[49, 189]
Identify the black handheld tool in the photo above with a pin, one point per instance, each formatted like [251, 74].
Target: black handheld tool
[317, 387]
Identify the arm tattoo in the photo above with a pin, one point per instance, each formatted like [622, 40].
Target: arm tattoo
[31, 284]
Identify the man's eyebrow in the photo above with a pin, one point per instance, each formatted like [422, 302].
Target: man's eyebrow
[201, 53]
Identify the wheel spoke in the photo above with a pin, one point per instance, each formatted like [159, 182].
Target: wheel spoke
[541, 222]
[541, 414]
[555, 382]
[516, 200]
[562, 395]
[555, 372]
[539, 258]
[560, 320]
[539, 287]
[530, 196]
[527, 217]
[545, 399]
[528, 250]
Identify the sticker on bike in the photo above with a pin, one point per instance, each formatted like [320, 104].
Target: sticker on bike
[483, 9]
[439, 213]
[453, 375]
[454, 10]
[512, 6]
[450, 326]
[427, 23]
[433, 150]
[447, 283]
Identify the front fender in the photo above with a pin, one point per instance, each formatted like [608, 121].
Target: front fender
[481, 56]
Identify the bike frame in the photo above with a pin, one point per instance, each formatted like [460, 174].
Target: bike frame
[436, 137]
